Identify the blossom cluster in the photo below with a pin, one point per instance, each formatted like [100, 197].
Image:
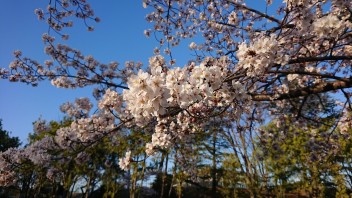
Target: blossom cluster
[111, 100]
[85, 130]
[124, 162]
[37, 153]
[198, 90]
[146, 95]
[7, 174]
[79, 109]
[330, 26]
[260, 55]
[161, 139]
[40, 126]
[193, 87]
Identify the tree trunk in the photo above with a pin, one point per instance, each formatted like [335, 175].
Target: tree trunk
[213, 172]
[87, 188]
[164, 177]
[142, 175]
[73, 188]
[133, 181]
[173, 175]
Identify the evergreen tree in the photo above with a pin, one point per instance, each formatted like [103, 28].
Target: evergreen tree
[6, 141]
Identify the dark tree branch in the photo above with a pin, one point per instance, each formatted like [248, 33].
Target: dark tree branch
[257, 12]
[320, 88]
[320, 58]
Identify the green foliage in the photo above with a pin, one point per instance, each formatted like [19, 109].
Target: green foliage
[6, 141]
[156, 185]
[232, 179]
[305, 156]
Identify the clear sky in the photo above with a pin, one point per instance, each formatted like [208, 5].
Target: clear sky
[118, 37]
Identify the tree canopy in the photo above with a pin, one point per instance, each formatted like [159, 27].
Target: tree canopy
[286, 63]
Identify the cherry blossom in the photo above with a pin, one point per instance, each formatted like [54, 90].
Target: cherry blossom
[249, 62]
[124, 162]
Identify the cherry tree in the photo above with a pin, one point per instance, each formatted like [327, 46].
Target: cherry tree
[250, 62]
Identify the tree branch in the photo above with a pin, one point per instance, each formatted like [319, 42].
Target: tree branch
[257, 12]
[321, 88]
[322, 58]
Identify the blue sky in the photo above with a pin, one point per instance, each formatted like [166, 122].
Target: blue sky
[118, 37]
